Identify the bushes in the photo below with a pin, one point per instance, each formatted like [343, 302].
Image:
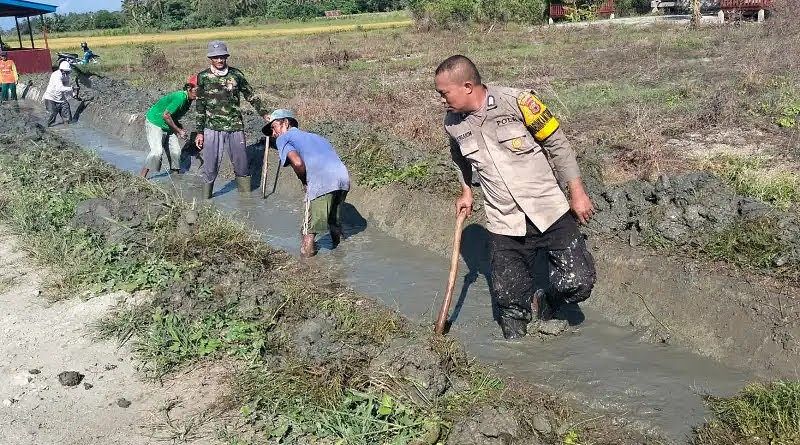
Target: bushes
[629, 7]
[443, 13]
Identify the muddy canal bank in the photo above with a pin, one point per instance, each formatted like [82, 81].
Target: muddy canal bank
[217, 291]
[743, 320]
[598, 364]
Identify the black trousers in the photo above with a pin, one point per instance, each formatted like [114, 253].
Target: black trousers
[58, 108]
[570, 272]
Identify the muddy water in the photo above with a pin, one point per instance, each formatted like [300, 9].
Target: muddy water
[605, 366]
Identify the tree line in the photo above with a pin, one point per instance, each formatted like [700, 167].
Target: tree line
[139, 15]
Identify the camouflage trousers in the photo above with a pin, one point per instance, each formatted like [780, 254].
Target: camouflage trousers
[516, 262]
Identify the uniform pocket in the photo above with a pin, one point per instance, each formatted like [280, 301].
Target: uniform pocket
[516, 139]
[468, 147]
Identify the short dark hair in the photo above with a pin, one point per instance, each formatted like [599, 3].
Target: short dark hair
[462, 67]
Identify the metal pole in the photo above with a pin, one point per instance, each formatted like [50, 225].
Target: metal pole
[44, 31]
[19, 35]
[30, 31]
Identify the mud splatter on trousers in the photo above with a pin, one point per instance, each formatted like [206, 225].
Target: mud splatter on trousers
[569, 269]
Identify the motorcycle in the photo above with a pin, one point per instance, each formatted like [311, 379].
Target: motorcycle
[74, 59]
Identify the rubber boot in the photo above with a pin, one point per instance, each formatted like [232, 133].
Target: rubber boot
[542, 307]
[336, 236]
[208, 190]
[243, 184]
[513, 328]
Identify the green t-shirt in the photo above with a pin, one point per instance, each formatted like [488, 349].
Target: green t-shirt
[176, 104]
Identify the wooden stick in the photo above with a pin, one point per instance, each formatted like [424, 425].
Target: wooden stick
[264, 169]
[444, 311]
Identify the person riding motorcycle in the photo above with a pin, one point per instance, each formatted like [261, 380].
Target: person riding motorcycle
[87, 53]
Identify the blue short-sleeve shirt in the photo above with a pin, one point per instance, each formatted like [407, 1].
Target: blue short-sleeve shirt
[325, 172]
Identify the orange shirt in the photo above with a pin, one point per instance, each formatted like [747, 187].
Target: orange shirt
[8, 71]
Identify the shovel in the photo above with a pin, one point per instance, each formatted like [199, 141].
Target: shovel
[264, 169]
[444, 311]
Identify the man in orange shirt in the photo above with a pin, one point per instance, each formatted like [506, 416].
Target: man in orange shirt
[8, 78]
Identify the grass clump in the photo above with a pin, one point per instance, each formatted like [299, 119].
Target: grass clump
[171, 340]
[760, 413]
[750, 244]
[376, 160]
[750, 177]
[42, 209]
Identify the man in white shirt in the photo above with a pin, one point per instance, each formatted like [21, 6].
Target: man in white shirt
[55, 97]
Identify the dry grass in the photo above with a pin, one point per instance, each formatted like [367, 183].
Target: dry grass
[230, 33]
[621, 91]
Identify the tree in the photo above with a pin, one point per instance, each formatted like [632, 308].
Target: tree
[108, 20]
[137, 13]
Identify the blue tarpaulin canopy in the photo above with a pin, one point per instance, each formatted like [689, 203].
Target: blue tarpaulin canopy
[22, 8]
[28, 60]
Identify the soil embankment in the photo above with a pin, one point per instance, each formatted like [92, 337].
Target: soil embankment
[714, 309]
[319, 356]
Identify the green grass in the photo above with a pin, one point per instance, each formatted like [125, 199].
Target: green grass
[614, 93]
[171, 340]
[750, 244]
[105, 39]
[297, 401]
[760, 413]
[750, 176]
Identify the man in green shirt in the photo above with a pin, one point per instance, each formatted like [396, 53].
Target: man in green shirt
[162, 123]
[219, 117]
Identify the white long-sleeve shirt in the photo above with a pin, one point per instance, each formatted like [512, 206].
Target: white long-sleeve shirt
[58, 87]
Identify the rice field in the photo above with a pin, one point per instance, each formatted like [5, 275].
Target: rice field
[358, 22]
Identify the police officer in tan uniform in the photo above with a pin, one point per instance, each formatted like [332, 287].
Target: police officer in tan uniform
[510, 138]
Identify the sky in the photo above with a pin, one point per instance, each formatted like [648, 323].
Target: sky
[65, 6]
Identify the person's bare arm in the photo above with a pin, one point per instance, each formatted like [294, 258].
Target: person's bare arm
[173, 125]
[294, 159]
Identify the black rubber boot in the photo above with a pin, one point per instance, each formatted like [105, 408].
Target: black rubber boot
[208, 190]
[513, 328]
[243, 184]
[336, 236]
[542, 306]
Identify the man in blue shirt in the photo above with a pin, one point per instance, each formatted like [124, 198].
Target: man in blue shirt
[325, 178]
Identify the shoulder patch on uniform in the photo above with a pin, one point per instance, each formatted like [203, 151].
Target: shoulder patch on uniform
[490, 103]
[537, 117]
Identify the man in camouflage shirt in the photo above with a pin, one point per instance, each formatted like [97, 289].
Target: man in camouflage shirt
[219, 117]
